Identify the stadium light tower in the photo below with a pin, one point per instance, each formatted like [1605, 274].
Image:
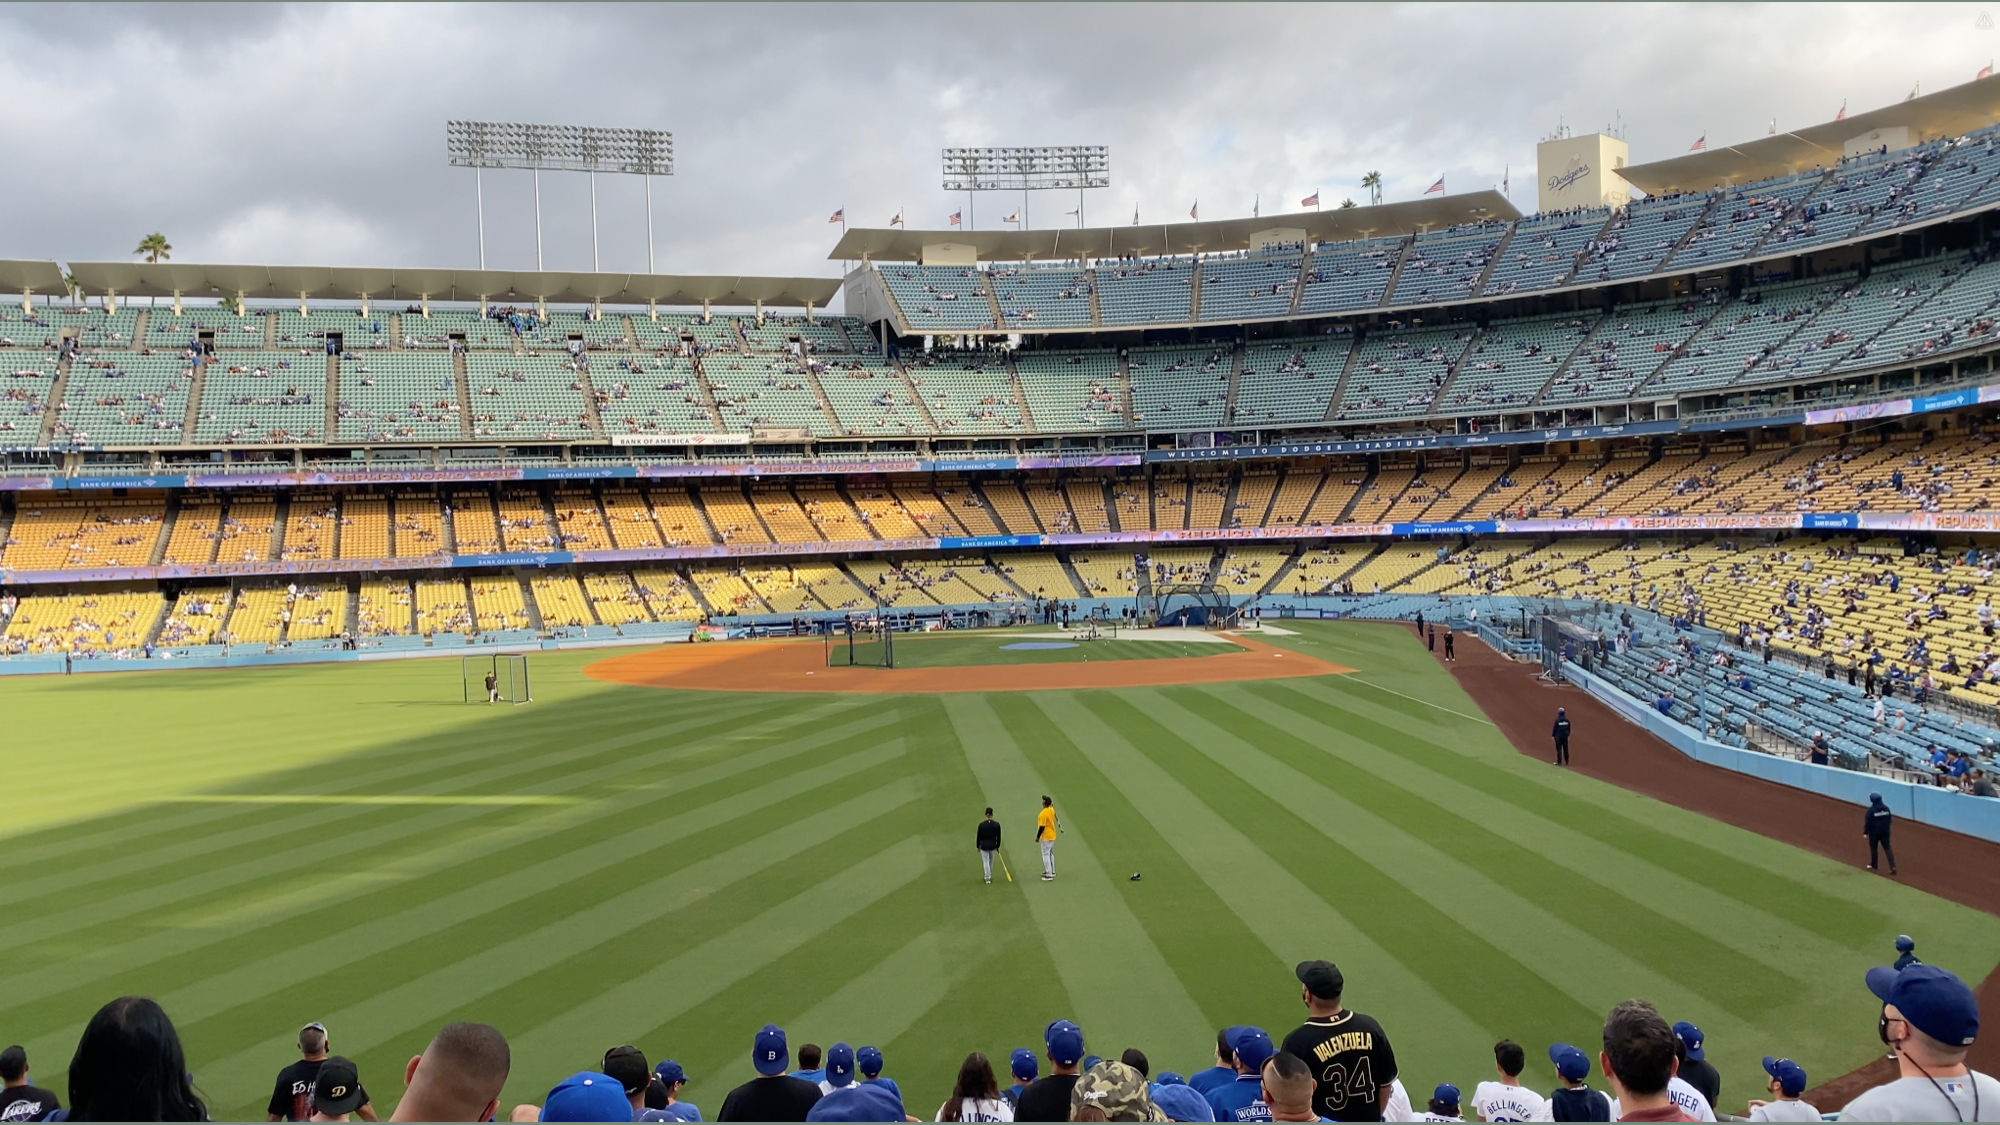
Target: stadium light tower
[479, 145]
[973, 170]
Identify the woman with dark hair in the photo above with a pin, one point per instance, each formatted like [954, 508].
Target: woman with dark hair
[129, 1067]
[975, 1096]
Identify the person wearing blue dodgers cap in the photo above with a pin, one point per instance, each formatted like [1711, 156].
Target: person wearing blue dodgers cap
[1695, 1068]
[1182, 1103]
[1444, 1105]
[1574, 1100]
[1787, 1082]
[673, 1078]
[862, 1101]
[773, 1095]
[1243, 1099]
[1047, 1098]
[1906, 952]
[839, 1068]
[1024, 1066]
[587, 1096]
[868, 1061]
[1931, 1019]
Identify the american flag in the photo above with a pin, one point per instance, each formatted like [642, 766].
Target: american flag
[839, 216]
[1700, 144]
[1013, 218]
[1194, 212]
[1436, 188]
[1984, 72]
[1310, 200]
[1842, 115]
[955, 220]
[898, 220]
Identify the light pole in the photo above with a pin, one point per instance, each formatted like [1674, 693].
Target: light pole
[559, 148]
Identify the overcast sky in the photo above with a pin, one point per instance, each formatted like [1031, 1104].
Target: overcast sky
[315, 134]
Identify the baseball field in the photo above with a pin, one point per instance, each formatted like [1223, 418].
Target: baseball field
[617, 862]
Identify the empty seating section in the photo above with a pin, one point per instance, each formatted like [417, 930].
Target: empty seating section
[871, 398]
[1343, 276]
[385, 609]
[1042, 296]
[1179, 385]
[1073, 390]
[830, 512]
[93, 327]
[258, 616]
[442, 606]
[967, 393]
[1050, 506]
[1208, 494]
[165, 330]
[317, 613]
[629, 520]
[1397, 374]
[579, 524]
[1290, 381]
[525, 398]
[312, 524]
[649, 394]
[28, 330]
[197, 529]
[1292, 496]
[781, 512]
[195, 618]
[98, 621]
[82, 534]
[560, 600]
[1740, 219]
[940, 298]
[262, 398]
[726, 592]
[1741, 335]
[497, 604]
[1640, 238]
[734, 518]
[606, 333]
[1958, 314]
[1251, 287]
[1393, 566]
[957, 503]
[124, 398]
[1543, 252]
[364, 527]
[805, 587]
[310, 331]
[1859, 311]
[884, 515]
[436, 330]
[475, 523]
[764, 392]
[1318, 569]
[1086, 504]
[30, 376]
[1627, 347]
[419, 526]
[1447, 266]
[1145, 292]
[399, 396]
[1109, 575]
[1247, 570]
[1513, 360]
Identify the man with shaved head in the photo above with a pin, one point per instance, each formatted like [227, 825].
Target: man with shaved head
[458, 1077]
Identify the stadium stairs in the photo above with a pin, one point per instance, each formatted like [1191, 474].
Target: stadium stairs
[1235, 382]
[589, 392]
[1096, 310]
[1582, 344]
[1021, 392]
[1389, 289]
[825, 403]
[916, 396]
[1340, 387]
[461, 379]
[52, 408]
[330, 419]
[1700, 224]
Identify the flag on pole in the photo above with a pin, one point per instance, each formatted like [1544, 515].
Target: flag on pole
[1700, 144]
[1772, 131]
[1984, 71]
[898, 220]
[1194, 212]
[1913, 91]
[1436, 188]
[1310, 200]
[1506, 179]
[1842, 115]
[1257, 205]
[838, 216]
[1135, 214]
[1013, 218]
[956, 218]
[1072, 212]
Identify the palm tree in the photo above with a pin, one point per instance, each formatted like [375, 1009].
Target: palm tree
[155, 247]
[1346, 203]
[75, 289]
[1373, 182]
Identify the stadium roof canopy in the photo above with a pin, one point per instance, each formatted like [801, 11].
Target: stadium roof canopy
[893, 245]
[31, 277]
[166, 279]
[1952, 112]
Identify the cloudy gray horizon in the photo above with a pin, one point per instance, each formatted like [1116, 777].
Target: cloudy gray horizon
[314, 134]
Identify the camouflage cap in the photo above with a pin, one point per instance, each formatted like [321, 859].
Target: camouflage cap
[1118, 1090]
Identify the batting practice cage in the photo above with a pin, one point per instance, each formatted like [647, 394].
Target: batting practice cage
[508, 669]
[861, 644]
[1565, 641]
[1193, 607]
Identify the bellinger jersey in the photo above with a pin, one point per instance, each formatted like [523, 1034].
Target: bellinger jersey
[1351, 1061]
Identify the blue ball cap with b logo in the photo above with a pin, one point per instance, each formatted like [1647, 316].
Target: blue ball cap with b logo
[770, 1055]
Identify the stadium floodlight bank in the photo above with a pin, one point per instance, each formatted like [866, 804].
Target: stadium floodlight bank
[559, 148]
[1027, 169]
[510, 677]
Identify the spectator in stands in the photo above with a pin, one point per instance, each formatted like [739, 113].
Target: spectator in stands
[868, 1064]
[584, 1096]
[1224, 1070]
[1506, 1099]
[1929, 1019]
[1136, 1059]
[1288, 1088]
[975, 1096]
[1179, 1102]
[20, 1101]
[1443, 1104]
[670, 1079]
[1048, 1098]
[809, 1064]
[773, 1095]
[1787, 1082]
[1332, 1033]
[129, 1066]
[1574, 1100]
[457, 1078]
[1638, 1059]
[1023, 1065]
[337, 1091]
[627, 1066]
[863, 1101]
[839, 1068]
[289, 1096]
[1981, 785]
[1112, 1091]
[1242, 1100]
[1692, 1074]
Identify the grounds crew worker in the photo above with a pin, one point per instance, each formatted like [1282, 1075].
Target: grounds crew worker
[1875, 827]
[1045, 834]
[492, 688]
[989, 842]
[1562, 737]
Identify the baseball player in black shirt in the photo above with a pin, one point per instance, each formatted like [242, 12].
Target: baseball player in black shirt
[1562, 737]
[989, 842]
[1350, 1056]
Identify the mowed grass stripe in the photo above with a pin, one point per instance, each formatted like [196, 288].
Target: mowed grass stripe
[1406, 944]
[461, 984]
[1803, 904]
[1730, 979]
[492, 869]
[513, 772]
[370, 831]
[1117, 981]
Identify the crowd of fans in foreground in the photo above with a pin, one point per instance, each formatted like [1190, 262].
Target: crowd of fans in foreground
[1337, 1065]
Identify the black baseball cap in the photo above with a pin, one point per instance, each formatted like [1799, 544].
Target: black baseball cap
[1322, 979]
[627, 1064]
[337, 1088]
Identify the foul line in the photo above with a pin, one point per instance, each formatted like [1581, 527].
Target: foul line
[363, 799]
[1425, 702]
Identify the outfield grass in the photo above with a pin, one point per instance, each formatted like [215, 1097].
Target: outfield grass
[260, 848]
[957, 650]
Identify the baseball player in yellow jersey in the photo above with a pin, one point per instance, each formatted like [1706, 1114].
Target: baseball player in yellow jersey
[1045, 834]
